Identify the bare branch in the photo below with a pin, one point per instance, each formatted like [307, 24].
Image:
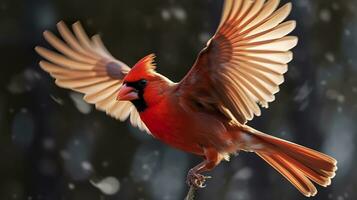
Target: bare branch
[191, 193]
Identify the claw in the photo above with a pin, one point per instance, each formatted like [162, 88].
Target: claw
[199, 183]
[203, 185]
[196, 180]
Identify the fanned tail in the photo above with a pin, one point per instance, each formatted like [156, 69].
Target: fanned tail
[298, 164]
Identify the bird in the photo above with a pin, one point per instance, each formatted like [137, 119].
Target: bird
[237, 73]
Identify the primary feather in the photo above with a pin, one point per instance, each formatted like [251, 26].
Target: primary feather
[247, 56]
[86, 66]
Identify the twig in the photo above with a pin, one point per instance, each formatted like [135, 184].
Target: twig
[191, 193]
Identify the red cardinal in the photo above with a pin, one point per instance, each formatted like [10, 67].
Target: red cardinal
[205, 113]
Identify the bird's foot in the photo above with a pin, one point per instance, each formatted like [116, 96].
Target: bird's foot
[196, 180]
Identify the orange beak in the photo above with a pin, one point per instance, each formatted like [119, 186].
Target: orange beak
[127, 93]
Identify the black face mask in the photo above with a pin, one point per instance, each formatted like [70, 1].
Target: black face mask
[139, 86]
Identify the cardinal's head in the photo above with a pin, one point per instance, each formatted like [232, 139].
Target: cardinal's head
[143, 86]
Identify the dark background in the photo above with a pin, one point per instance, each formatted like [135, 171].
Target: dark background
[53, 145]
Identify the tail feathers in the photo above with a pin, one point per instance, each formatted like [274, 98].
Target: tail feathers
[298, 164]
[294, 176]
[309, 156]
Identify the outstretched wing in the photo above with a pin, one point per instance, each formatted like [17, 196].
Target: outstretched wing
[244, 62]
[85, 65]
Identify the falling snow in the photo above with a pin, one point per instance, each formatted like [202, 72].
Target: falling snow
[80, 104]
[86, 166]
[165, 14]
[302, 96]
[330, 57]
[71, 186]
[335, 95]
[325, 15]
[145, 163]
[204, 37]
[109, 185]
[303, 93]
[177, 13]
[347, 32]
[58, 100]
[23, 82]
[243, 174]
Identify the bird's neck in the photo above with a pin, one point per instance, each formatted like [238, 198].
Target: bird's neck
[153, 94]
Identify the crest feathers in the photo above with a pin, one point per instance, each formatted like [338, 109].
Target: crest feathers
[146, 63]
[142, 68]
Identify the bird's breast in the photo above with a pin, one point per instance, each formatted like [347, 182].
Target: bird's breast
[171, 126]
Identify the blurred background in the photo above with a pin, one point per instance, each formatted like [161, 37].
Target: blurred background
[55, 146]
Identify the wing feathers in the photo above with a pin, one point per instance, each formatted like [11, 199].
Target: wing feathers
[98, 96]
[66, 73]
[98, 43]
[258, 5]
[83, 39]
[252, 107]
[75, 83]
[274, 20]
[85, 65]
[244, 10]
[247, 56]
[269, 7]
[279, 31]
[69, 38]
[64, 49]
[62, 60]
[281, 44]
[274, 56]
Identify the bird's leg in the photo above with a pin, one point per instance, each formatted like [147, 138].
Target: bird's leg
[194, 178]
[212, 159]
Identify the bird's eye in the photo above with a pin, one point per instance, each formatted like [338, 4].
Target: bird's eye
[142, 82]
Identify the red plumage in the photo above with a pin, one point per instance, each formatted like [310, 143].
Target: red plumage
[205, 113]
